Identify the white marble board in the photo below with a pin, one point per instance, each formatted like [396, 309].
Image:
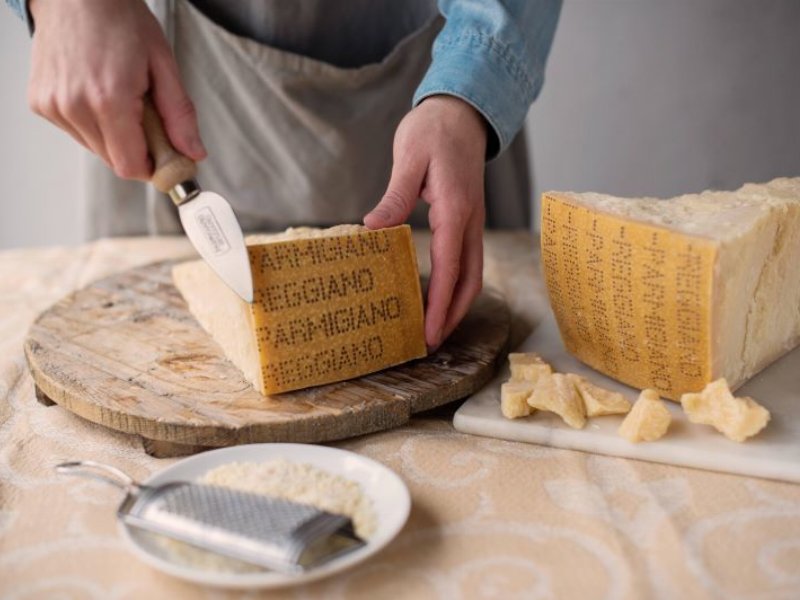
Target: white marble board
[773, 454]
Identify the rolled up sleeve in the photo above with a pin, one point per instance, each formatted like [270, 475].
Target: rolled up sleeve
[21, 8]
[492, 55]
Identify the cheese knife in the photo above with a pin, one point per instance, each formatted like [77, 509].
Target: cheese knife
[207, 218]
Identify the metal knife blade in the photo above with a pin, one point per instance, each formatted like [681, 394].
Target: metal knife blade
[207, 218]
[211, 226]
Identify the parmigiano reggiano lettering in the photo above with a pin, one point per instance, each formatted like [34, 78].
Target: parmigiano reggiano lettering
[329, 305]
[673, 294]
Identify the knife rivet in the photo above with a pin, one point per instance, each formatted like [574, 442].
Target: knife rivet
[185, 191]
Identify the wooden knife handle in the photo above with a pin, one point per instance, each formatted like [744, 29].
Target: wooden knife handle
[170, 167]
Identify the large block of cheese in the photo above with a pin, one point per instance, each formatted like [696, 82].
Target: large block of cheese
[329, 304]
[673, 294]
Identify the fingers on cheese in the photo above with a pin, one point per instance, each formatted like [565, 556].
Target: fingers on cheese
[648, 420]
[736, 418]
[673, 294]
[329, 304]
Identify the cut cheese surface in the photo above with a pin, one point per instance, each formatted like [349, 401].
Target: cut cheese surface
[329, 304]
[557, 393]
[527, 366]
[648, 420]
[598, 401]
[673, 294]
[514, 399]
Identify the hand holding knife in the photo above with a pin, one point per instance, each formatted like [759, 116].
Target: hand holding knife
[207, 218]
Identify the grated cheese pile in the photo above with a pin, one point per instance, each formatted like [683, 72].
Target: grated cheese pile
[302, 483]
[280, 478]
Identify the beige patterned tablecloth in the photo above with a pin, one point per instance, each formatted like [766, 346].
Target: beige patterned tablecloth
[490, 519]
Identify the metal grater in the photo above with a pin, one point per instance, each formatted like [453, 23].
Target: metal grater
[270, 532]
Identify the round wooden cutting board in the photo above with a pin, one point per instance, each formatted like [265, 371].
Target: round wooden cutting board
[126, 353]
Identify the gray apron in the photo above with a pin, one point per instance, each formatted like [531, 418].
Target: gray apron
[299, 136]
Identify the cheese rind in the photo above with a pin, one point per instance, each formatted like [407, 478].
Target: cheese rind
[736, 418]
[556, 393]
[648, 420]
[329, 305]
[673, 294]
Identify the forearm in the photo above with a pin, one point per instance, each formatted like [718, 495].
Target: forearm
[492, 54]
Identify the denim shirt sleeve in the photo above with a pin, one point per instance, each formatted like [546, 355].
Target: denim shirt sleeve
[492, 54]
[21, 8]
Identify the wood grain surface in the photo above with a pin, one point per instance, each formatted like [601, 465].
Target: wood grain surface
[126, 353]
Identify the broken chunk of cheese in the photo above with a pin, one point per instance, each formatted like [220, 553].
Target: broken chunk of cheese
[556, 393]
[527, 366]
[648, 420]
[673, 294]
[599, 401]
[736, 418]
[329, 304]
[514, 399]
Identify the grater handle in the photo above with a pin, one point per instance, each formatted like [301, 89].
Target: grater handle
[107, 473]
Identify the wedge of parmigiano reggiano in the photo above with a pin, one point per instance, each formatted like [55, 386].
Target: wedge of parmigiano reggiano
[673, 294]
[329, 304]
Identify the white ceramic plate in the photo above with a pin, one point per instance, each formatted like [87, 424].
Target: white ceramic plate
[389, 496]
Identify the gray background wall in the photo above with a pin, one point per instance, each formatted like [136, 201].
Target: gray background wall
[40, 196]
[643, 97]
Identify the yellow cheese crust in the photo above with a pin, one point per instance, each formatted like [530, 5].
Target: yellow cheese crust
[632, 300]
[333, 308]
[328, 306]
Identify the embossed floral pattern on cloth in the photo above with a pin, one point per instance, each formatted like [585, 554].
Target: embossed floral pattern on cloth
[490, 518]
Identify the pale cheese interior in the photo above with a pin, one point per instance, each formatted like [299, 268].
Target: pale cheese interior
[222, 313]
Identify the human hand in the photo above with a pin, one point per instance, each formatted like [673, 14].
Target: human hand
[439, 154]
[93, 61]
